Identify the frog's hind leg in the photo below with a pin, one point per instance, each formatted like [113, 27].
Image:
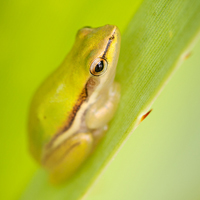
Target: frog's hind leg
[65, 159]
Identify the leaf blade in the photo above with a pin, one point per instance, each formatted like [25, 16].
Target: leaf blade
[155, 41]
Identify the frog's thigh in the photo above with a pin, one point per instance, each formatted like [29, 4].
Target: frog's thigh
[99, 115]
[68, 157]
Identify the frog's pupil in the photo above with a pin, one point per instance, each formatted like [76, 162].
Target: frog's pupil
[99, 67]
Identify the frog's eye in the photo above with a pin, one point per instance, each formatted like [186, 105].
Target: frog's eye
[98, 67]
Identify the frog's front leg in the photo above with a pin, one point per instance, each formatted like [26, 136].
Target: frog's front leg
[65, 159]
[101, 113]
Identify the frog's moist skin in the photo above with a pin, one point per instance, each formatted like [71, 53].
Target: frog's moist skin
[70, 111]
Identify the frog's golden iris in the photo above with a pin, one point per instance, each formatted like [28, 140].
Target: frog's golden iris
[98, 67]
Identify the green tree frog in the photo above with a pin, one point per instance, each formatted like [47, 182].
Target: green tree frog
[71, 109]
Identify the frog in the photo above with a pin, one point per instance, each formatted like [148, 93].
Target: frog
[70, 111]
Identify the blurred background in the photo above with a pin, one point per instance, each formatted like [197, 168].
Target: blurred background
[161, 159]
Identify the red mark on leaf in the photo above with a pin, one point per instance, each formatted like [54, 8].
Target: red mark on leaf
[187, 55]
[145, 115]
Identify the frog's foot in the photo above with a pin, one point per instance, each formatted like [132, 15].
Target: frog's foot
[65, 159]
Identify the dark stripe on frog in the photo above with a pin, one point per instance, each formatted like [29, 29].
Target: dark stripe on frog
[86, 93]
[108, 45]
[83, 96]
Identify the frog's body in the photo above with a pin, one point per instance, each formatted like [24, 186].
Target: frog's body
[70, 111]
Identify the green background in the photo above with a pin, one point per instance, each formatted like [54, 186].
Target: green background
[161, 158]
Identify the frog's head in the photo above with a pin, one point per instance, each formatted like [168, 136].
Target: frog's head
[98, 52]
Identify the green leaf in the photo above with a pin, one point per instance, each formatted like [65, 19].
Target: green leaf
[157, 40]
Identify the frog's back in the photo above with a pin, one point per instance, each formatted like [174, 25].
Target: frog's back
[52, 106]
